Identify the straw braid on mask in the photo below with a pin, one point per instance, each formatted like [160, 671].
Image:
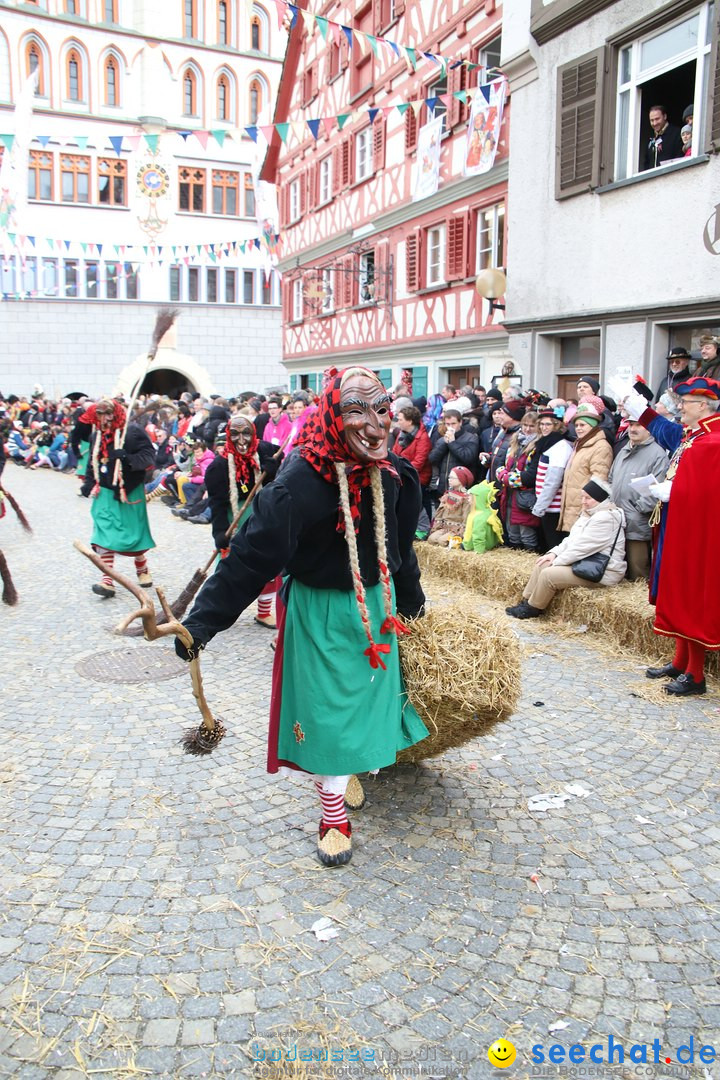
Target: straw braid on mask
[327, 452]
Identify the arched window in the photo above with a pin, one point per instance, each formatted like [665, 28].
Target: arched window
[256, 100]
[223, 98]
[74, 86]
[112, 82]
[223, 22]
[255, 33]
[189, 93]
[34, 61]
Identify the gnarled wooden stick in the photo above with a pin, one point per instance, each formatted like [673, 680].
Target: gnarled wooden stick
[152, 631]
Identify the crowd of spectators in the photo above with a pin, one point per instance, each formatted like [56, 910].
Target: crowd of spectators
[562, 470]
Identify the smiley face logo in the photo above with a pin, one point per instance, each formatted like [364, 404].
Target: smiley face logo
[501, 1054]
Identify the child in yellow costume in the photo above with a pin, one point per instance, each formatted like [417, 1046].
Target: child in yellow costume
[483, 529]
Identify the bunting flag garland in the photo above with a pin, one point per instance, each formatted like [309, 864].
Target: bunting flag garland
[370, 41]
[34, 246]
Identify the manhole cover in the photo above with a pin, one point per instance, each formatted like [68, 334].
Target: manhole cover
[132, 666]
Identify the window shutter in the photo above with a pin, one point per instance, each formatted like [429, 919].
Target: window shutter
[453, 109]
[348, 284]
[315, 69]
[346, 171]
[337, 170]
[411, 126]
[379, 145]
[413, 260]
[377, 16]
[399, 7]
[303, 183]
[578, 125]
[312, 187]
[457, 235]
[715, 110]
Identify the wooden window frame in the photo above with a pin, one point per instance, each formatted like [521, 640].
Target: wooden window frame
[364, 135]
[75, 165]
[441, 229]
[42, 161]
[195, 178]
[326, 164]
[190, 14]
[248, 189]
[255, 88]
[256, 22]
[113, 5]
[224, 38]
[225, 180]
[111, 64]
[190, 78]
[225, 113]
[114, 169]
[33, 49]
[73, 56]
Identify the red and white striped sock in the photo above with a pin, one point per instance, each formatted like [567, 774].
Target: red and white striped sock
[264, 606]
[333, 807]
[141, 564]
[108, 558]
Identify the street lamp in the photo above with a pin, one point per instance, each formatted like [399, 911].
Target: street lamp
[490, 284]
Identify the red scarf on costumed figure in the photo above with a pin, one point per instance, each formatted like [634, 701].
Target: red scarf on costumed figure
[321, 443]
[107, 438]
[245, 464]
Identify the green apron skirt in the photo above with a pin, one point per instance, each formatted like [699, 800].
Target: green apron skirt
[121, 526]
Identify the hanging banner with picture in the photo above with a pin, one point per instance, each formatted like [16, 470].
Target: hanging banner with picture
[484, 127]
[427, 166]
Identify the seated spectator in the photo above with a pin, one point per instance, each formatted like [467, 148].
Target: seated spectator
[454, 508]
[641, 457]
[187, 489]
[17, 444]
[516, 498]
[678, 371]
[458, 445]
[598, 530]
[591, 456]
[551, 453]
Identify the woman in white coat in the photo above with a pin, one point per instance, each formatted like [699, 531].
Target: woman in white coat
[598, 530]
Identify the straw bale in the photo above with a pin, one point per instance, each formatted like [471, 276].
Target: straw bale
[462, 675]
[620, 613]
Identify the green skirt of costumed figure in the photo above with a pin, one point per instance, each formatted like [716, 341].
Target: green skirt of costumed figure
[337, 714]
[82, 464]
[121, 526]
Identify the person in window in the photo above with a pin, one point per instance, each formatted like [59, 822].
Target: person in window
[686, 136]
[665, 143]
[677, 372]
[710, 360]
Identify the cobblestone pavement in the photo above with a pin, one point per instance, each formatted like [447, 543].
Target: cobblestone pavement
[156, 910]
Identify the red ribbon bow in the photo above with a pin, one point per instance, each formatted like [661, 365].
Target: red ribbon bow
[373, 654]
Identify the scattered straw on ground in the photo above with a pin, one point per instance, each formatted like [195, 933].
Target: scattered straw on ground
[462, 676]
[619, 614]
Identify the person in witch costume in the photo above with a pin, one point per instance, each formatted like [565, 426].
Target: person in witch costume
[229, 479]
[118, 510]
[340, 520]
[682, 577]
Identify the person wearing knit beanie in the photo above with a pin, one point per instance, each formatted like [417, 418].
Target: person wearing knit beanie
[587, 385]
[493, 394]
[464, 475]
[597, 403]
[514, 409]
[587, 413]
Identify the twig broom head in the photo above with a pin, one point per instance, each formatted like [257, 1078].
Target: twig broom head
[200, 741]
[164, 320]
[9, 593]
[14, 503]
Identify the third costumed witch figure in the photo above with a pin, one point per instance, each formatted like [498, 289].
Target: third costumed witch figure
[339, 520]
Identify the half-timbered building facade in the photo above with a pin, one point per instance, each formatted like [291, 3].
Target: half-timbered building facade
[371, 273]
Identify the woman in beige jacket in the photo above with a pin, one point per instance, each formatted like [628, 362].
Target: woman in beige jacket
[592, 456]
[598, 530]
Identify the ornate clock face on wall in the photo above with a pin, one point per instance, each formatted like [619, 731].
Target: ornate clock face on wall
[153, 181]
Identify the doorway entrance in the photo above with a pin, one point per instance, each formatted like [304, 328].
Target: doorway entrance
[167, 383]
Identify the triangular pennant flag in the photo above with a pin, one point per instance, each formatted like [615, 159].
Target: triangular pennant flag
[281, 8]
[82, 141]
[373, 43]
[219, 137]
[11, 238]
[416, 106]
[386, 110]
[252, 132]
[432, 57]
[133, 141]
[84, 248]
[213, 256]
[329, 123]
[67, 244]
[7, 140]
[116, 249]
[314, 126]
[202, 137]
[268, 131]
[431, 103]
[116, 142]
[282, 130]
[43, 140]
[342, 120]
[184, 135]
[403, 107]
[336, 33]
[322, 26]
[32, 241]
[362, 41]
[485, 91]
[50, 242]
[412, 57]
[348, 34]
[372, 113]
[461, 95]
[445, 98]
[152, 143]
[308, 19]
[395, 48]
[294, 13]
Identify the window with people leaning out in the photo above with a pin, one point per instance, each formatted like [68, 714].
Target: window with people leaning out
[639, 102]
